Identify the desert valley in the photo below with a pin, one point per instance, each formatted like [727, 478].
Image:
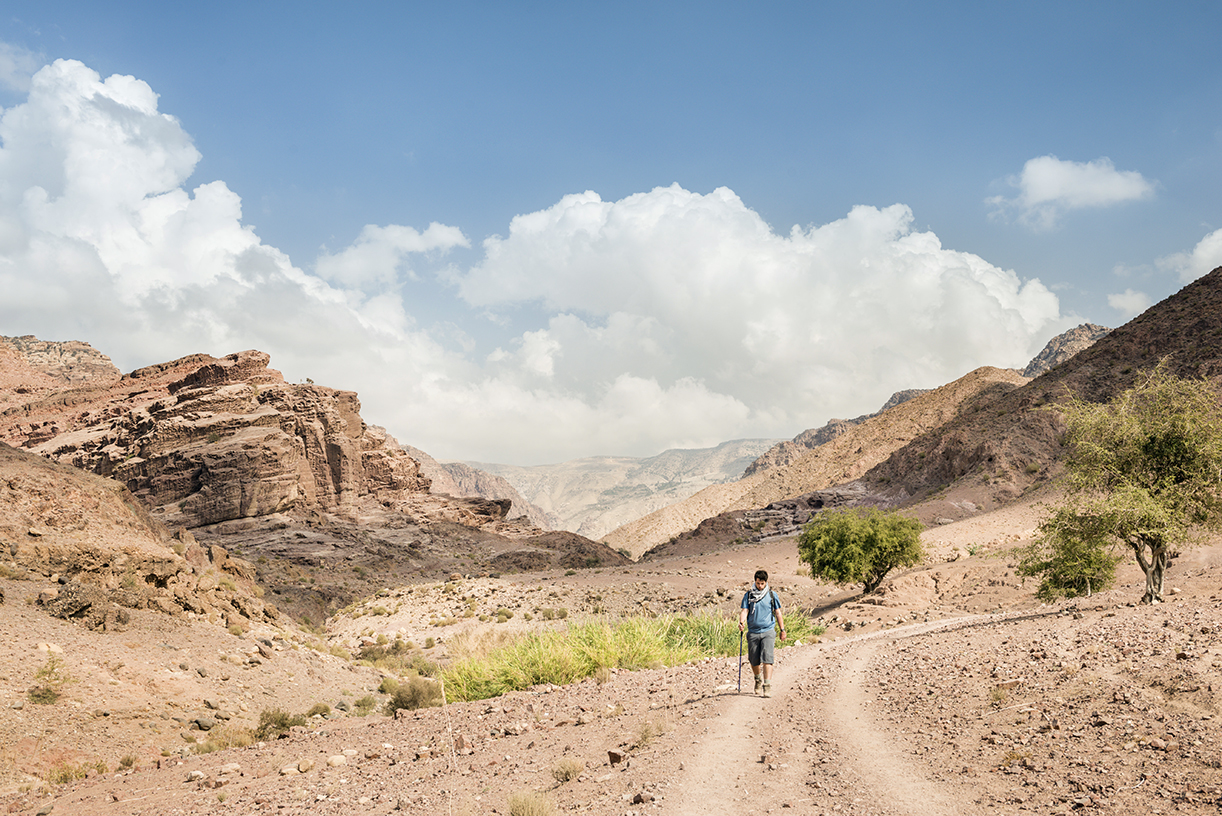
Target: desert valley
[187, 547]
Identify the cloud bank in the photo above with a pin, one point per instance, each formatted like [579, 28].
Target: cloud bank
[1048, 187]
[670, 318]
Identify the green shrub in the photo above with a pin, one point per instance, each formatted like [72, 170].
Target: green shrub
[43, 695]
[319, 710]
[364, 705]
[414, 693]
[848, 546]
[275, 721]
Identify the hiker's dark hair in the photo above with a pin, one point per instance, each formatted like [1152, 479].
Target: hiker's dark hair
[761, 575]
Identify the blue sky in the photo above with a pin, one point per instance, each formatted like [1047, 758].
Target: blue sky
[613, 266]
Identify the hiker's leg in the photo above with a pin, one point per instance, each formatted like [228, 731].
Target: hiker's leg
[766, 655]
[755, 652]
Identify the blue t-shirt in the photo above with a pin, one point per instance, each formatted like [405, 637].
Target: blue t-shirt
[759, 616]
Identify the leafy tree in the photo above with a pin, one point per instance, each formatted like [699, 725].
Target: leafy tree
[1144, 472]
[847, 546]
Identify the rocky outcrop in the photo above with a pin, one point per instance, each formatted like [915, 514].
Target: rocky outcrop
[31, 369]
[109, 555]
[71, 362]
[1064, 346]
[203, 440]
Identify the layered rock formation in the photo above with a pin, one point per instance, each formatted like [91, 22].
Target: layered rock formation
[202, 440]
[31, 368]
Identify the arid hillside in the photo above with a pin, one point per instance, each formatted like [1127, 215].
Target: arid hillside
[327, 506]
[1013, 442]
[842, 459]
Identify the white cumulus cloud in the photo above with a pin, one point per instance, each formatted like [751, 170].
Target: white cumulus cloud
[1204, 258]
[716, 318]
[1049, 187]
[1130, 303]
[669, 318]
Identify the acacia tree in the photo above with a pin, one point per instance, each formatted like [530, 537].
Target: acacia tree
[847, 546]
[1143, 471]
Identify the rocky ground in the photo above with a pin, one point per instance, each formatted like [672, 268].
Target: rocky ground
[952, 692]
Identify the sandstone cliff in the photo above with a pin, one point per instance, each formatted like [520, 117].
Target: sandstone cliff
[329, 507]
[203, 440]
[30, 368]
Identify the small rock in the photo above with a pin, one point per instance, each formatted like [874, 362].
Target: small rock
[196, 776]
[45, 809]
[204, 723]
[336, 761]
[231, 768]
[288, 770]
[615, 757]
[305, 765]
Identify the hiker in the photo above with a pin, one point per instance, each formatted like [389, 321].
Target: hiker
[760, 616]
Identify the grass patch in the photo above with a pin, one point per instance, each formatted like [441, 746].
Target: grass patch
[221, 738]
[492, 667]
[531, 803]
[567, 769]
[276, 721]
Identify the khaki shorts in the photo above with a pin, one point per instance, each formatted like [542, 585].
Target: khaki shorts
[759, 646]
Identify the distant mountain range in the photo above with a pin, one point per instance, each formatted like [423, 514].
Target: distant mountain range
[595, 495]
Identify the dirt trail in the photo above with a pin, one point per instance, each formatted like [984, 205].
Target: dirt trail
[816, 744]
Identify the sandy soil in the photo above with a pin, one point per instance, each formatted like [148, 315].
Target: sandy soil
[953, 693]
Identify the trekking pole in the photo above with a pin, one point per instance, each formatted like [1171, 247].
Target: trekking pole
[740, 661]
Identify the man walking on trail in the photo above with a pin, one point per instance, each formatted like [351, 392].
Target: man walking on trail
[761, 616]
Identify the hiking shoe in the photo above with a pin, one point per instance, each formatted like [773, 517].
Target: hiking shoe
[767, 689]
[758, 684]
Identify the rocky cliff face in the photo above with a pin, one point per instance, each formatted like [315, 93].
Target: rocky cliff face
[1064, 346]
[203, 440]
